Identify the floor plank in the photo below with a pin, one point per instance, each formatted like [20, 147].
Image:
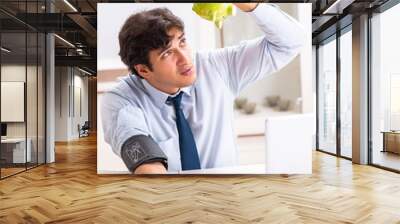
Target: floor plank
[70, 191]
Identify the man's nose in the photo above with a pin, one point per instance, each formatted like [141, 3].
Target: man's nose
[183, 57]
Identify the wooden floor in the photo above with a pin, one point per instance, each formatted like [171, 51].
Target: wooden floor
[70, 191]
[10, 171]
[387, 159]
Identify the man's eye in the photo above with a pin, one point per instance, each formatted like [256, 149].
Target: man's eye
[183, 41]
[166, 54]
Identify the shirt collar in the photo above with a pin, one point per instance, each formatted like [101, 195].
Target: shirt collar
[159, 97]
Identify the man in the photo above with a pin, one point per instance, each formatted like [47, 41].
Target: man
[175, 112]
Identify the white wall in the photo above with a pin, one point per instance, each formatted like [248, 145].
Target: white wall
[80, 83]
[84, 81]
[16, 72]
[33, 126]
[61, 103]
[68, 81]
[306, 69]
[295, 79]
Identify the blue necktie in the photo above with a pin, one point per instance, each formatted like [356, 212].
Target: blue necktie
[187, 146]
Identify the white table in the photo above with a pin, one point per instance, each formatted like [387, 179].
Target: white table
[242, 169]
[18, 144]
[254, 124]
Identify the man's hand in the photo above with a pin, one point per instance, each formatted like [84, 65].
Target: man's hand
[151, 168]
[246, 7]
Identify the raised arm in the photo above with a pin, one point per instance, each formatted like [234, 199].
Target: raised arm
[251, 60]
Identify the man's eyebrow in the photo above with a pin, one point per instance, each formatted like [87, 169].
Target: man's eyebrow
[181, 36]
[169, 44]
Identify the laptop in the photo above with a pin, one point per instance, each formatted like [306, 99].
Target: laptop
[3, 131]
[288, 148]
[289, 144]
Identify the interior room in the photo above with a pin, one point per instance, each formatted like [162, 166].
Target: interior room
[22, 99]
[51, 151]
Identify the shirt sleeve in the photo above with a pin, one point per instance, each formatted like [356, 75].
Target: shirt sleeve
[121, 120]
[241, 65]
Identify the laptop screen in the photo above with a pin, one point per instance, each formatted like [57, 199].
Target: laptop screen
[3, 129]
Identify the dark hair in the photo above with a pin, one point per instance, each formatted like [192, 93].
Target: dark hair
[143, 32]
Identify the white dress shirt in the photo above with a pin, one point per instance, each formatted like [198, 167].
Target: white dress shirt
[135, 107]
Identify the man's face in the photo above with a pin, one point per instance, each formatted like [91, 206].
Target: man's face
[172, 66]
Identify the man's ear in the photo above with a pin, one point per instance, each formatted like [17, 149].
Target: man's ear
[143, 70]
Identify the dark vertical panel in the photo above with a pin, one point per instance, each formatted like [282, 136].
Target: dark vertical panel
[44, 71]
[1, 161]
[338, 82]
[26, 80]
[73, 91]
[317, 95]
[369, 78]
[80, 102]
[37, 91]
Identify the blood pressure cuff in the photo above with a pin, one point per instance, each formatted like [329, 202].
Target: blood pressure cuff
[141, 149]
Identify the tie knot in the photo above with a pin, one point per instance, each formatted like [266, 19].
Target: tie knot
[176, 101]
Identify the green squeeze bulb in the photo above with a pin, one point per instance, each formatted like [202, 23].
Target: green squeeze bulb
[214, 12]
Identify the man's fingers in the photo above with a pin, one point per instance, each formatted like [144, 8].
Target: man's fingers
[246, 7]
